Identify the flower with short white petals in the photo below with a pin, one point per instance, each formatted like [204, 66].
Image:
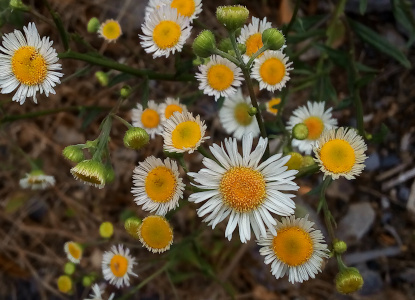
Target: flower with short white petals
[117, 266]
[110, 30]
[241, 187]
[37, 180]
[149, 119]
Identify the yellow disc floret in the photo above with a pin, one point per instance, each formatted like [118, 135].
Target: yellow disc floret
[337, 156]
[315, 127]
[29, 66]
[293, 246]
[243, 189]
[74, 250]
[166, 34]
[186, 135]
[170, 109]
[156, 234]
[150, 118]
[241, 114]
[272, 71]
[160, 184]
[184, 7]
[119, 265]
[253, 43]
[220, 77]
[271, 103]
[111, 30]
[64, 284]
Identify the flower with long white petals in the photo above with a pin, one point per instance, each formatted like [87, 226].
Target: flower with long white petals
[117, 266]
[241, 187]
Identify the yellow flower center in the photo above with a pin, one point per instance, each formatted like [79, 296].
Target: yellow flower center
[241, 114]
[111, 30]
[253, 43]
[315, 127]
[74, 250]
[271, 103]
[166, 34]
[35, 180]
[293, 246]
[89, 178]
[156, 232]
[170, 109]
[272, 71]
[150, 118]
[64, 284]
[243, 189]
[186, 135]
[119, 265]
[220, 77]
[28, 66]
[337, 156]
[160, 184]
[184, 7]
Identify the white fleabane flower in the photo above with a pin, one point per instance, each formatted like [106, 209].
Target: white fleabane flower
[168, 107]
[37, 180]
[117, 266]
[243, 188]
[28, 64]
[148, 119]
[187, 8]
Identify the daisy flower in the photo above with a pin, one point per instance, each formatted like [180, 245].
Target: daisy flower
[187, 8]
[96, 293]
[316, 119]
[28, 63]
[157, 185]
[340, 152]
[37, 180]
[110, 30]
[73, 251]
[243, 189]
[251, 36]
[167, 108]
[165, 32]
[235, 118]
[183, 133]
[271, 70]
[117, 266]
[296, 249]
[156, 234]
[270, 105]
[153, 5]
[219, 77]
[148, 119]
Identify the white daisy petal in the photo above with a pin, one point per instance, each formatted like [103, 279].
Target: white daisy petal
[117, 266]
[149, 119]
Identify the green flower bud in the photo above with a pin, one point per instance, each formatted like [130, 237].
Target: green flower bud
[109, 174]
[135, 138]
[18, 4]
[131, 226]
[90, 172]
[349, 281]
[295, 161]
[339, 246]
[232, 17]
[273, 39]
[252, 111]
[125, 91]
[242, 48]
[102, 78]
[307, 161]
[73, 153]
[69, 268]
[204, 44]
[64, 283]
[106, 230]
[300, 131]
[87, 281]
[225, 45]
[93, 25]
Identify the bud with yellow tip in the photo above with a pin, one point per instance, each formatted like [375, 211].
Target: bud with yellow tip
[349, 281]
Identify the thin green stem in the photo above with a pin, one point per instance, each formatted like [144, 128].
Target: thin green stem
[325, 207]
[255, 55]
[59, 25]
[182, 163]
[235, 47]
[294, 16]
[202, 150]
[104, 62]
[226, 55]
[122, 121]
[307, 171]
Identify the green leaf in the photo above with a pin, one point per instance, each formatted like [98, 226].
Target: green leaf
[362, 6]
[363, 68]
[365, 80]
[338, 57]
[380, 43]
[324, 89]
[403, 14]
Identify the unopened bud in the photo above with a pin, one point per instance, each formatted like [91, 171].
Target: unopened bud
[102, 78]
[125, 91]
[109, 174]
[300, 131]
[69, 268]
[225, 45]
[93, 25]
[64, 284]
[349, 281]
[73, 153]
[232, 17]
[339, 246]
[106, 230]
[204, 44]
[131, 226]
[273, 39]
[307, 161]
[18, 4]
[295, 161]
[135, 138]
[252, 111]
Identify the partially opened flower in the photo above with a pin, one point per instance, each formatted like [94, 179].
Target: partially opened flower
[235, 118]
[251, 36]
[243, 188]
[117, 266]
[187, 8]
[148, 119]
[157, 185]
[28, 64]
[168, 107]
[37, 180]
[165, 32]
[156, 234]
[296, 249]
[90, 172]
[96, 293]
[340, 152]
[183, 133]
[316, 119]
[219, 77]
[73, 251]
[110, 30]
[271, 70]
[271, 105]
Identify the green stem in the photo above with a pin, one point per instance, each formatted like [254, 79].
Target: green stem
[296, 7]
[235, 47]
[59, 25]
[202, 150]
[325, 207]
[103, 62]
[307, 171]
[255, 55]
[182, 163]
[122, 121]
[103, 138]
[227, 56]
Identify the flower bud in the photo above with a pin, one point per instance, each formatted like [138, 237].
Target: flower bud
[69, 268]
[232, 17]
[90, 172]
[102, 78]
[93, 25]
[125, 91]
[106, 230]
[273, 39]
[242, 48]
[252, 111]
[109, 174]
[204, 44]
[295, 161]
[18, 4]
[349, 281]
[135, 138]
[225, 45]
[300, 131]
[339, 246]
[64, 284]
[131, 226]
[73, 153]
[87, 281]
[307, 161]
